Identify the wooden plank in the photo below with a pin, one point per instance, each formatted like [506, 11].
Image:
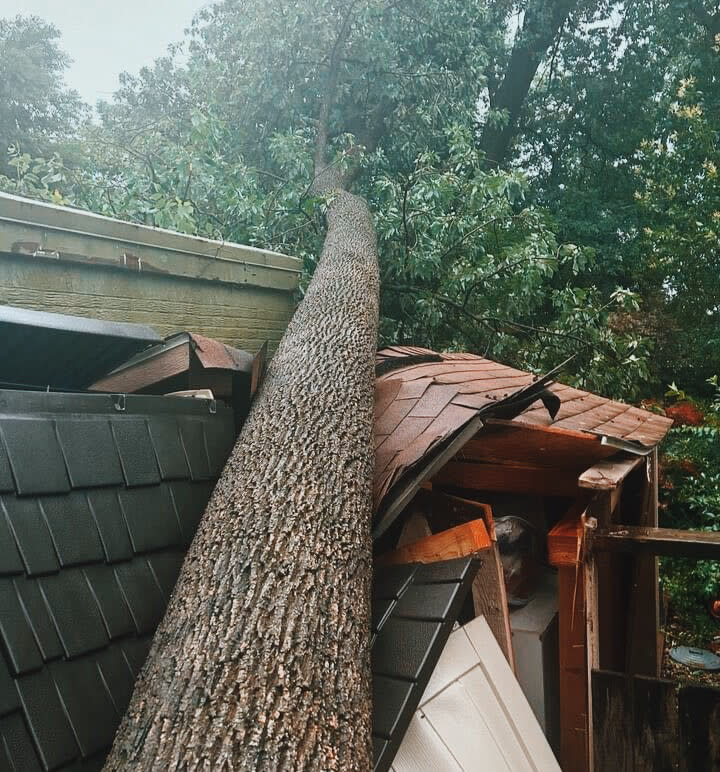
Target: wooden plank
[514, 478]
[608, 474]
[592, 619]
[502, 441]
[148, 372]
[655, 726]
[454, 509]
[458, 542]
[642, 654]
[490, 600]
[700, 722]
[564, 537]
[574, 753]
[612, 741]
[668, 542]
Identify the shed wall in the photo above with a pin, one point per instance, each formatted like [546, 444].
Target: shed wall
[239, 315]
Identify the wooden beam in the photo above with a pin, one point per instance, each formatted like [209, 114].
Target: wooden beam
[490, 600]
[608, 474]
[592, 621]
[667, 542]
[573, 687]
[565, 537]
[458, 542]
[643, 622]
[458, 509]
[503, 441]
[512, 478]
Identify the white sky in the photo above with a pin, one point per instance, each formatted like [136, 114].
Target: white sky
[106, 37]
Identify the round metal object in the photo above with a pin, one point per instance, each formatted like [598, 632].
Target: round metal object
[697, 659]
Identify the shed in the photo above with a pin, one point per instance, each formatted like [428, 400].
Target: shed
[55, 258]
[462, 440]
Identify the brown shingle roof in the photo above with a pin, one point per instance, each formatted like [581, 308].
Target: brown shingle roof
[421, 406]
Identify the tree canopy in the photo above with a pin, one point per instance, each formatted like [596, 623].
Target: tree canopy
[38, 110]
[542, 173]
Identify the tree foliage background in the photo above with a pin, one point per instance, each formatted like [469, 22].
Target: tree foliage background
[543, 173]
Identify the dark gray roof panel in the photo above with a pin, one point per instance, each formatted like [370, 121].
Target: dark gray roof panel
[142, 594]
[110, 522]
[17, 745]
[169, 449]
[15, 632]
[31, 535]
[403, 647]
[37, 614]
[117, 676]
[6, 479]
[90, 452]
[87, 703]
[219, 439]
[135, 651]
[35, 456]
[414, 609]
[190, 499]
[390, 581]
[74, 611]
[46, 719]
[10, 561]
[165, 567]
[193, 437]
[110, 600]
[9, 699]
[72, 528]
[149, 533]
[86, 572]
[136, 451]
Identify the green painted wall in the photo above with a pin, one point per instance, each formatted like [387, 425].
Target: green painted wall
[241, 315]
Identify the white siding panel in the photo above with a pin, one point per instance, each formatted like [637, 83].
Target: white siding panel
[474, 716]
[457, 658]
[510, 695]
[455, 718]
[501, 728]
[422, 749]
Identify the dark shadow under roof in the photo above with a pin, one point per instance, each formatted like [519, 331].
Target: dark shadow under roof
[40, 349]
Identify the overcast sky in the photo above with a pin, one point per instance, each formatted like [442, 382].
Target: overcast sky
[105, 37]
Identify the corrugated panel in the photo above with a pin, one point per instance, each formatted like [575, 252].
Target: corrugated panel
[97, 508]
[414, 609]
[41, 349]
[422, 405]
[473, 714]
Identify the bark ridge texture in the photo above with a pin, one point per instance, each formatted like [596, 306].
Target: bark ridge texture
[262, 660]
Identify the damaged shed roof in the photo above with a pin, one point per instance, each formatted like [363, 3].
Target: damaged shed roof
[425, 401]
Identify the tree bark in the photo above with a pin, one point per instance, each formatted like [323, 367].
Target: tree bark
[262, 660]
[543, 20]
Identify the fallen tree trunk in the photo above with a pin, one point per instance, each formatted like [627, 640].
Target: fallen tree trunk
[262, 660]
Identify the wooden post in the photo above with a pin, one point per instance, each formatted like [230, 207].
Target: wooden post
[642, 655]
[564, 550]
